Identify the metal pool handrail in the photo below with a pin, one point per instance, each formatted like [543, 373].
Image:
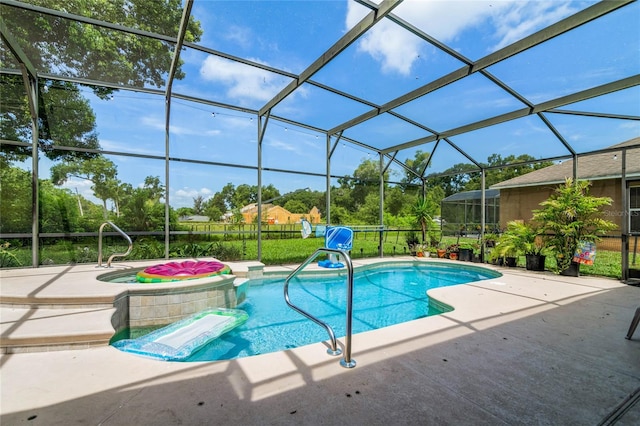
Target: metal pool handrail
[121, 232]
[346, 361]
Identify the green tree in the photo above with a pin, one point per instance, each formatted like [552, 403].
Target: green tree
[142, 209]
[184, 211]
[341, 197]
[394, 200]
[244, 194]
[340, 215]
[366, 178]
[500, 169]
[296, 206]
[101, 171]
[466, 177]
[215, 207]
[15, 199]
[65, 118]
[268, 192]
[417, 167]
[154, 188]
[454, 179]
[227, 194]
[214, 213]
[369, 212]
[198, 205]
[64, 46]
[59, 210]
[87, 51]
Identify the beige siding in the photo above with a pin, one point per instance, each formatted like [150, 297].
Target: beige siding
[519, 203]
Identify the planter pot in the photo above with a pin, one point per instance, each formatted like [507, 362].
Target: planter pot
[441, 253]
[425, 253]
[465, 254]
[419, 254]
[511, 261]
[453, 255]
[572, 271]
[535, 262]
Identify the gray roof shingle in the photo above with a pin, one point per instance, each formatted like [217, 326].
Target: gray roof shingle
[591, 167]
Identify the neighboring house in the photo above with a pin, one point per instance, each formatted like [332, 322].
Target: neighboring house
[278, 215]
[194, 218]
[523, 194]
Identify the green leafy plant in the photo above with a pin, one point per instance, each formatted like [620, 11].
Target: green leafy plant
[147, 248]
[570, 215]
[453, 248]
[421, 210]
[524, 238]
[490, 239]
[7, 258]
[412, 241]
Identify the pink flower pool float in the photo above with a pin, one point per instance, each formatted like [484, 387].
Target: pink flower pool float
[178, 271]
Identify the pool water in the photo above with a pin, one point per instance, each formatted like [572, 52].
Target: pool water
[382, 296]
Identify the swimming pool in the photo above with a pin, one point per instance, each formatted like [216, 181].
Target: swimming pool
[383, 295]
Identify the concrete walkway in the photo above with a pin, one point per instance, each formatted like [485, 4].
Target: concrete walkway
[525, 348]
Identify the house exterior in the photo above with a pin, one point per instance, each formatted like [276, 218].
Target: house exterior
[278, 215]
[523, 194]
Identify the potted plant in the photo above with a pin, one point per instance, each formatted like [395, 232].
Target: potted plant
[496, 256]
[528, 239]
[424, 249]
[490, 240]
[507, 248]
[441, 251]
[571, 216]
[452, 251]
[412, 242]
[465, 252]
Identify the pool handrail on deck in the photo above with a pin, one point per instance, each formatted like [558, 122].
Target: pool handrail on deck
[121, 232]
[346, 361]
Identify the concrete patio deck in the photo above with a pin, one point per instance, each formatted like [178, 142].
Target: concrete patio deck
[525, 348]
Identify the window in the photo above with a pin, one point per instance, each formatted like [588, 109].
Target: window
[634, 209]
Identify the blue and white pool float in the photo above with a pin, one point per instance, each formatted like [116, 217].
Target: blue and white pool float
[179, 340]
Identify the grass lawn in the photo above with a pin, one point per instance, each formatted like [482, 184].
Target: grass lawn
[296, 250]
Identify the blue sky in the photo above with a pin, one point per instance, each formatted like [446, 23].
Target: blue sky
[382, 65]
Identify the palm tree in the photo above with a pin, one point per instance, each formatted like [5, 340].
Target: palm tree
[421, 210]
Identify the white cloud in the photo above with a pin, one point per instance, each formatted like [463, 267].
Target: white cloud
[192, 193]
[242, 36]
[523, 18]
[284, 146]
[243, 82]
[81, 187]
[183, 197]
[396, 50]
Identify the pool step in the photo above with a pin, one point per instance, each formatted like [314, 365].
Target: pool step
[42, 329]
[56, 302]
[53, 300]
